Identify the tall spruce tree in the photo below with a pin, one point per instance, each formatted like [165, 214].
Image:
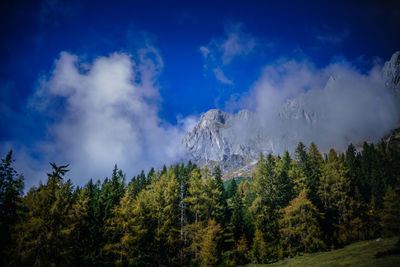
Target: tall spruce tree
[210, 244]
[300, 228]
[313, 175]
[391, 212]
[11, 186]
[218, 185]
[40, 238]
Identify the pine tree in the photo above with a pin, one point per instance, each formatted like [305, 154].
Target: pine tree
[218, 187]
[128, 223]
[112, 190]
[196, 197]
[95, 222]
[315, 162]
[393, 151]
[77, 231]
[237, 218]
[353, 165]
[267, 199]
[210, 244]
[11, 186]
[40, 239]
[302, 157]
[232, 188]
[168, 233]
[259, 249]
[285, 183]
[367, 171]
[300, 230]
[182, 175]
[335, 194]
[390, 215]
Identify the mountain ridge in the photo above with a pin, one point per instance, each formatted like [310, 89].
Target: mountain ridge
[235, 140]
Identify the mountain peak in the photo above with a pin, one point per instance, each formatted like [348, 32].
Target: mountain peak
[391, 73]
[213, 117]
[234, 140]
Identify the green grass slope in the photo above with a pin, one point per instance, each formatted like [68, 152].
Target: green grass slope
[357, 254]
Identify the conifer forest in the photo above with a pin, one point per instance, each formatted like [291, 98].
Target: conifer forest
[183, 215]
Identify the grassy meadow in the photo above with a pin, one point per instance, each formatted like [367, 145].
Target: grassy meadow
[357, 254]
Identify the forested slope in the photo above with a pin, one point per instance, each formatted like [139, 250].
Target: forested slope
[183, 215]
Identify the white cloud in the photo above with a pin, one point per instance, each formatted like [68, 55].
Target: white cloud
[221, 52]
[351, 108]
[220, 76]
[237, 43]
[205, 51]
[109, 114]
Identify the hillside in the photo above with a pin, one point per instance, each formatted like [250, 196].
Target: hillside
[357, 254]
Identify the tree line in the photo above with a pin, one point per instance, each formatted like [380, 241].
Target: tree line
[183, 215]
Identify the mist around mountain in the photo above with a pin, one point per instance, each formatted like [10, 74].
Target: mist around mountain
[300, 202]
[333, 107]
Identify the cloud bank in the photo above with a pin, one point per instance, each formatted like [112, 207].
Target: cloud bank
[106, 112]
[336, 105]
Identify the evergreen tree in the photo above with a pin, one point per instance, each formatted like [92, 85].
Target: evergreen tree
[237, 219]
[335, 194]
[218, 186]
[300, 227]
[77, 231]
[11, 186]
[393, 151]
[302, 157]
[285, 183]
[183, 216]
[164, 203]
[196, 197]
[210, 244]
[95, 222]
[367, 171]
[232, 188]
[391, 212]
[112, 190]
[313, 174]
[267, 199]
[259, 249]
[131, 224]
[40, 238]
[352, 163]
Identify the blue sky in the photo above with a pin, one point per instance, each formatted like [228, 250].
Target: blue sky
[187, 56]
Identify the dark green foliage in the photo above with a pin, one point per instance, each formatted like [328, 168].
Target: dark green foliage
[313, 173]
[221, 201]
[300, 226]
[237, 219]
[285, 183]
[352, 162]
[11, 186]
[40, 236]
[391, 212]
[187, 216]
[231, 188]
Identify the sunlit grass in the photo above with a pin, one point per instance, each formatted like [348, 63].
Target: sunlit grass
[357, 254]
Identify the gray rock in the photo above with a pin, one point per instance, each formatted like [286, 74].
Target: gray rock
[235, 140]
[215, 139]
[391, 73]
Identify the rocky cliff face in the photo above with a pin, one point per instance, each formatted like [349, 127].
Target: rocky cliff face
[235, 140]
[215, 138]
[391, 73]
